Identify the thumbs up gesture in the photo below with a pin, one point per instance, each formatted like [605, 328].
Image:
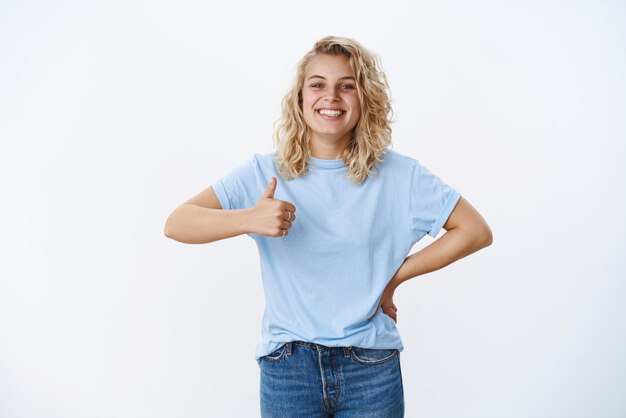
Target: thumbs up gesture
[271, 217]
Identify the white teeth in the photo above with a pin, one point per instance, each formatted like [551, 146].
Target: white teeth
[330, 112]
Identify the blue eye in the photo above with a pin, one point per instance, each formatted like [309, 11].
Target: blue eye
[348, 87]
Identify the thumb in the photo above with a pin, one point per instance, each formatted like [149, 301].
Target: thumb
[271, 188]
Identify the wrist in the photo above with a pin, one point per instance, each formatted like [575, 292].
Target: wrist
[394, 282]
[243, 217]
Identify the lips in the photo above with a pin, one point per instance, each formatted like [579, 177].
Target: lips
[330, 112]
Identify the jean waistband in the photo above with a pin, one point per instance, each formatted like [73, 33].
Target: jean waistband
[319, 347]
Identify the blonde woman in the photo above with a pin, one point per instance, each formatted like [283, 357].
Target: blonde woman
[334, 213]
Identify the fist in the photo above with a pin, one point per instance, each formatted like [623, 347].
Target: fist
[272, 217]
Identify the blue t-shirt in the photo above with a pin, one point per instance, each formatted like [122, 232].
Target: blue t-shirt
[323, 280]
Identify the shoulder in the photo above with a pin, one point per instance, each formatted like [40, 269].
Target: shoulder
[398, 161]
[258, 161]
[264, 158]
[263, 163]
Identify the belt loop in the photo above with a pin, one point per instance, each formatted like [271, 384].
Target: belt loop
[346, 351]
[288, 348]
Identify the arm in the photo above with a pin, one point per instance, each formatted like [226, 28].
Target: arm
[201, 220]
[466, 233]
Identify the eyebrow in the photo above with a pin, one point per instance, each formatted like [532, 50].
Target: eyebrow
[348, 77]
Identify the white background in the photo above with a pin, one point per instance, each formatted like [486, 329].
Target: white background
[114, 113]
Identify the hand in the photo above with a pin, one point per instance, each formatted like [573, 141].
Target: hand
[269, 216]
[386, 302]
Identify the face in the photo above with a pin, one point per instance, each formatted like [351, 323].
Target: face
[330, 103]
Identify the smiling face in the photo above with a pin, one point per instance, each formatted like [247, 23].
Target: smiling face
[330, 103]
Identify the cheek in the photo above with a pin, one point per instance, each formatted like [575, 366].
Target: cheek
[356, 108]
[306, 102]
[306, 106]
[354, 103]
[307, 112]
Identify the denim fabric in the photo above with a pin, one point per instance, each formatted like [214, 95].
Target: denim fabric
[303, 379]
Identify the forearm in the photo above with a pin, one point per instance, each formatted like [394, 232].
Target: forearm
[194, 224]
[452, 246]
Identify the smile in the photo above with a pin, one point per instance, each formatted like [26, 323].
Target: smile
[330, 113]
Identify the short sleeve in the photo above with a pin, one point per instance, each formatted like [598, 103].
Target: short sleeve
[431, 201]
[238, 188]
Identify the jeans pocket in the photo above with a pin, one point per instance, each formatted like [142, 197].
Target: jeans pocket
[277, 354]
[372, 356]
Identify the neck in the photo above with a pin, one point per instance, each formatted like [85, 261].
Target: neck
[328, 148]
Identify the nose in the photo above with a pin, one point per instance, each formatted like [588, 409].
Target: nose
[331, 95]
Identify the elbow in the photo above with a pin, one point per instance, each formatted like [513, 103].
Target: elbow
[486, 236]
[168, 230]
[479, 236]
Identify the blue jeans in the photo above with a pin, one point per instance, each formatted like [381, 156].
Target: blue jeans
[303, 379]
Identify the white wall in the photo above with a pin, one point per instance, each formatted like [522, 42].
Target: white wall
[114, 113]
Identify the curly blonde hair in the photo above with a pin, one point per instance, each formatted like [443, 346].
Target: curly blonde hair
[372, 133]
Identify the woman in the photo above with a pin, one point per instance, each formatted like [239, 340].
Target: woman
[334, 213]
